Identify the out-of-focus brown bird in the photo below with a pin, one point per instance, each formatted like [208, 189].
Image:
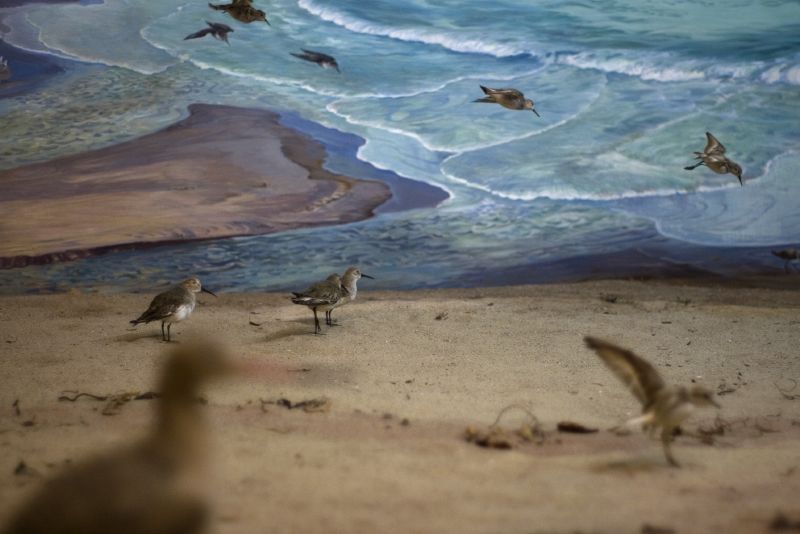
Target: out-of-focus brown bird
[242, 10]
[790, 255]
[152, 487]
[663, 406]
[508, 98]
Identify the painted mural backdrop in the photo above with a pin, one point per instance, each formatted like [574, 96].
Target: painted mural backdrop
[626, 91]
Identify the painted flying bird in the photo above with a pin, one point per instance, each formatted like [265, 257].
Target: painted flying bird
[173, 305]
[663, 405]
[242, 10]
[350, 280]
[323, 60]
[155, 485]
[218, 30]
[322, 296]
[508, 98]
[713, 157]
[790, 255]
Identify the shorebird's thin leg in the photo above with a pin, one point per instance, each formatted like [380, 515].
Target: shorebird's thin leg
[332, 322]
[666, 438]
[328, 317]
[786, 266]
[169, 331]
[692, 167]
[163, 335]
[317, 328]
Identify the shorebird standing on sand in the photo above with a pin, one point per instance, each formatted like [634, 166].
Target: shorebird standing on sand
[323, 60]
[241, 10]
[5, 70]
[508, 98]
[173, 305]
[350, 280]
[663, 405]
[790, 255]
[218, 30]
[322, 296]
[155, 486]
[713, 157]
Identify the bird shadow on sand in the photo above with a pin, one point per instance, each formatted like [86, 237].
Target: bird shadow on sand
[136, 335]
[288, 332]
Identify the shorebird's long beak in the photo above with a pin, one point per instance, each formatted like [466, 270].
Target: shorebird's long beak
[204, 290]
[537, 113]
[367, 276]
[268, 24]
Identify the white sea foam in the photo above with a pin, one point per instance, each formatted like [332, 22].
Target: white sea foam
[454, 41]
[789, 74]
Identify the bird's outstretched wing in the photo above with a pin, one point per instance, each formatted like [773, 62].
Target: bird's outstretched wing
[197, 35]
[642, 379]
[507, 93]
[318, 56]
[713, 146]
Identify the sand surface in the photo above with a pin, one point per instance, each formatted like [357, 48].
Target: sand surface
[358, 468]
[221, 172]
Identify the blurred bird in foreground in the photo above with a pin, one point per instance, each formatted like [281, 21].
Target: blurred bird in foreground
[173, 306]
[663, 405]
[790, 255]
[508, 98]
[218, 30]
[713, 157]
[154, 486]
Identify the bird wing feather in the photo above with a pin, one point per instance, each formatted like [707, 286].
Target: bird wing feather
[640, 377]
[196, 35]
[713, 146]
[165, 304]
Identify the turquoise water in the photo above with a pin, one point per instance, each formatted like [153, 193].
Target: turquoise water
[626, 91]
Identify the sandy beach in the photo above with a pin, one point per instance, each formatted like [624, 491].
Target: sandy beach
[405, 374]
[221, 172]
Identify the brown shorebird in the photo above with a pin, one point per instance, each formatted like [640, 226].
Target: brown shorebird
[154, 486]
[508, 98]
[322, 296]
[323, 60]
[216, 29]
[664, 406]
[173, 306]
[350, 280]
[241, 10]
[790, 255]
[5, 70]
[713, 157]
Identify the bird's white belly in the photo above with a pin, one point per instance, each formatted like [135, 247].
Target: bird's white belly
[183, 312]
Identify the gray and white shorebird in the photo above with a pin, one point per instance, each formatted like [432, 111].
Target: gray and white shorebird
[713, 157]
[663, 406]
[322, 296]
[156, 485]
[5, 70]
[173, 305]
[323, 60]
[350, 280]
[791, 255]
[508, 98]
[216, 29]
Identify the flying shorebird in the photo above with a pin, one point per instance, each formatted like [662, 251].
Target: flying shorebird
[322, 296]
[153, 486]
[173, 305]
[508, 98]
[218, 30]
[242, 10]
[663, 405]
[350, 280]
[713, 157]
[790, 255]
[323, 60]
